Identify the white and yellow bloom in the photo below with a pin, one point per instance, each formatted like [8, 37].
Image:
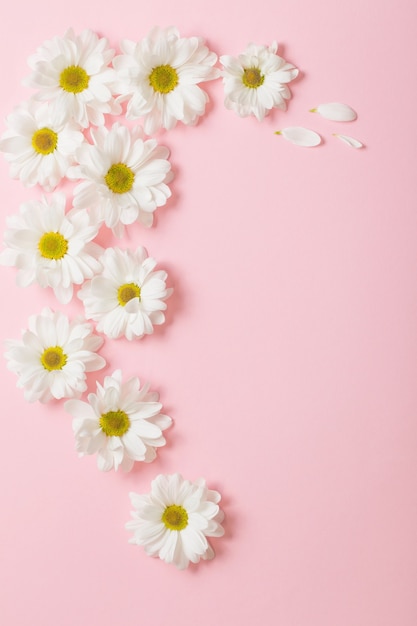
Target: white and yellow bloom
[53, 356]
[73, 74]
[159, 78]
[124, 176]
[173, 521]
[256, 81]
[39, 145]
[127, 298]
[121, 423]
[50, 247]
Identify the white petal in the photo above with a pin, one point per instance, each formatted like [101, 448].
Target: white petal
[336, 111]
[300, 136]
[353, 143]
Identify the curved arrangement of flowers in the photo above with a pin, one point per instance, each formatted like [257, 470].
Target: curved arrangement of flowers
[75, 129]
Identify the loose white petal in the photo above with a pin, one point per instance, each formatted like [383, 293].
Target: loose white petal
[353, 143]
[336, 112]
[300, 136]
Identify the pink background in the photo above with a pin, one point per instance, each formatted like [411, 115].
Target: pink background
[288, 361]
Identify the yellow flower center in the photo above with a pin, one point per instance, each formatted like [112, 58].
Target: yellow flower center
[114, 423]
[53, 246]
[53, 358]
[74, 79]
[44, 141]
[119, 178]
[252, 77]
[163, 78]
[127, 292]
[175, 517]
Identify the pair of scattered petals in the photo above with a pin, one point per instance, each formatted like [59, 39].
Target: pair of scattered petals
[350, 141]
[300, 136]
[336, 112]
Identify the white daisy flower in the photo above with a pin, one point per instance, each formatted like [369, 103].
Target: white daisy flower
[256, 81]
[127, 297]
[175, 519]
[121, 423]
[39, 145]
[124, 176]
[50, 247]
[53, 356]
[73, 73]
[159, 78]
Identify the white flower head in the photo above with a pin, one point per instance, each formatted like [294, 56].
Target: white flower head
[256, 81]
[124, 176]
[51, 247]
[39, 144]
[73, 73]
[159, 77]
[53, 356]
[127, 298]
[173, 521]
[121, 423]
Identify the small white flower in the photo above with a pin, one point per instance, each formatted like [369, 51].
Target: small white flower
[125, 176]
[300, 136]
[256, 81]
[335, 111]
[73, 73]
[127, 297]
[53, 356]
[159, 77]
[50, 247]
[39, 144]
[121, 423]
[175, 519]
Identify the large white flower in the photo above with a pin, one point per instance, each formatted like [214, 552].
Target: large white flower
[50, 247]
[39, 144]
[256, 81]
[121, 423]
[127, 297]
[53, 356]
[175, 519]
[159, 77]
[73, 73]
[124, 176]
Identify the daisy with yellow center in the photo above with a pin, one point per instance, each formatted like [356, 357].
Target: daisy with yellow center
[123, 175]
[53, 356]
[173, 521]
[256, 81]
[127, 298]
[51, 247]
[73, 73]
[121, 423]
[159, 78]
[39, 145]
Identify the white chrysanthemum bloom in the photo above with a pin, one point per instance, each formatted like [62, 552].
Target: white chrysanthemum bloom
[159, 78]
[73, 73]
[124, 176]
[127, 298]
[50, 247]
[256, 81]
[121, 423]
[53, 356]
[39, 145]
[175, 519]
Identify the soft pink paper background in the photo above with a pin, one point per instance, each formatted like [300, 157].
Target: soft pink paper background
[289, 358]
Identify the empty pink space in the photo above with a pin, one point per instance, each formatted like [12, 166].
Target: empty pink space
[288, 357]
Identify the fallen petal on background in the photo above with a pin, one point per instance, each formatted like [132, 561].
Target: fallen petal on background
[353, 143]
[300, 136]
[336, 112]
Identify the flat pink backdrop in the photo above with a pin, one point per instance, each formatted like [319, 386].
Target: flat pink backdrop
[288, 360]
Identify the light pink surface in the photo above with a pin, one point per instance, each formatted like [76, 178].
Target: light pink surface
[289, 358]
